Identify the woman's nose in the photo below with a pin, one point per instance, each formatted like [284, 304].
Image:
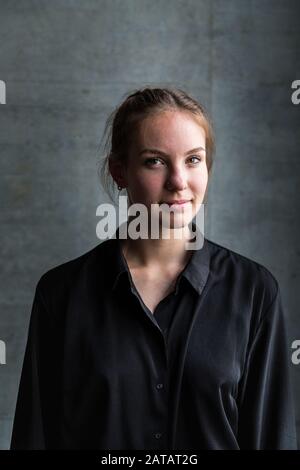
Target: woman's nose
[176, 181]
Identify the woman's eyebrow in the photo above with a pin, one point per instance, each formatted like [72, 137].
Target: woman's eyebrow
[159, 152]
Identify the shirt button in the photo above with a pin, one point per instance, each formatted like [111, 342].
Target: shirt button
[159, 386]
[157, 435]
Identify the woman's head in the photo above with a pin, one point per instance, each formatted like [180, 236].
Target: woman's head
[160, 148]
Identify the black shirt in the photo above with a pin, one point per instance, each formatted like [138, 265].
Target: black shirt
[207, 370]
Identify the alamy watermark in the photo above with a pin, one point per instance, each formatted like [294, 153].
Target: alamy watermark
[151, 224]
[2, 352]
[2, 92]
[296, 353]
[296, 94]
[2, 343]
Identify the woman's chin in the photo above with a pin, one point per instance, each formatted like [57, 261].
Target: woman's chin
[176, 221]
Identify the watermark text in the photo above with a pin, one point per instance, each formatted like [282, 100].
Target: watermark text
[160, 221]
[2, 352]
[296, 94]
[2, 92]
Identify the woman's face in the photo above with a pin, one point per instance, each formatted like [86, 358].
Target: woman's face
[167, 162]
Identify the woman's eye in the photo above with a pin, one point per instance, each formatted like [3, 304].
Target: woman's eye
[197, 158]
[154, 161]
[150, 161]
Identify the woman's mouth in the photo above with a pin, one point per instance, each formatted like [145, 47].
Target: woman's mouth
[177, 203]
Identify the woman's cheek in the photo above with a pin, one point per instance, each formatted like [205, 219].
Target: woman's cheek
[151, 185]
[201, 182]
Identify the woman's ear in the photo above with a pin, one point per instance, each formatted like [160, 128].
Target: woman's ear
[117, 172]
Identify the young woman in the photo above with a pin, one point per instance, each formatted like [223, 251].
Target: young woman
[142, 343]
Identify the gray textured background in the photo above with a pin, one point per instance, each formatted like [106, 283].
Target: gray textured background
[67, 63]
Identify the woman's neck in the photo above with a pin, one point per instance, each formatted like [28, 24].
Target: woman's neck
[157, 253]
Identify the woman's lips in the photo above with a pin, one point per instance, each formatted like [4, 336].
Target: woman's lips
[177, 204]
[180, 203]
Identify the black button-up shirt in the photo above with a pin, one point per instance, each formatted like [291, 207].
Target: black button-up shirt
[207, 370]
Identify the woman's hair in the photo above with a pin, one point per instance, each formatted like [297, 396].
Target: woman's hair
[138, 105]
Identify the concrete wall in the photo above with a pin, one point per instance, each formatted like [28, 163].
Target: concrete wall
[67, 63]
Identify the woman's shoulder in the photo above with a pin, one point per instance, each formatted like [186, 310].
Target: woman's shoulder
[242, 270]
[63, 276]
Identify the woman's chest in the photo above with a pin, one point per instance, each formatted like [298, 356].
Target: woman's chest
[153, 290]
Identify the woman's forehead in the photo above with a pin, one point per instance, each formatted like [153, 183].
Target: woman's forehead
[168, 130]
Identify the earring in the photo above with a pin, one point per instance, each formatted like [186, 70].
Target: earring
[119, 188]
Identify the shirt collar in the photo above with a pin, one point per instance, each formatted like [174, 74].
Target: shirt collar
[196, 270]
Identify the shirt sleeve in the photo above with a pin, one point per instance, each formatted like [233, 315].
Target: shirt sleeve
[28, 426]
[265, 399]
